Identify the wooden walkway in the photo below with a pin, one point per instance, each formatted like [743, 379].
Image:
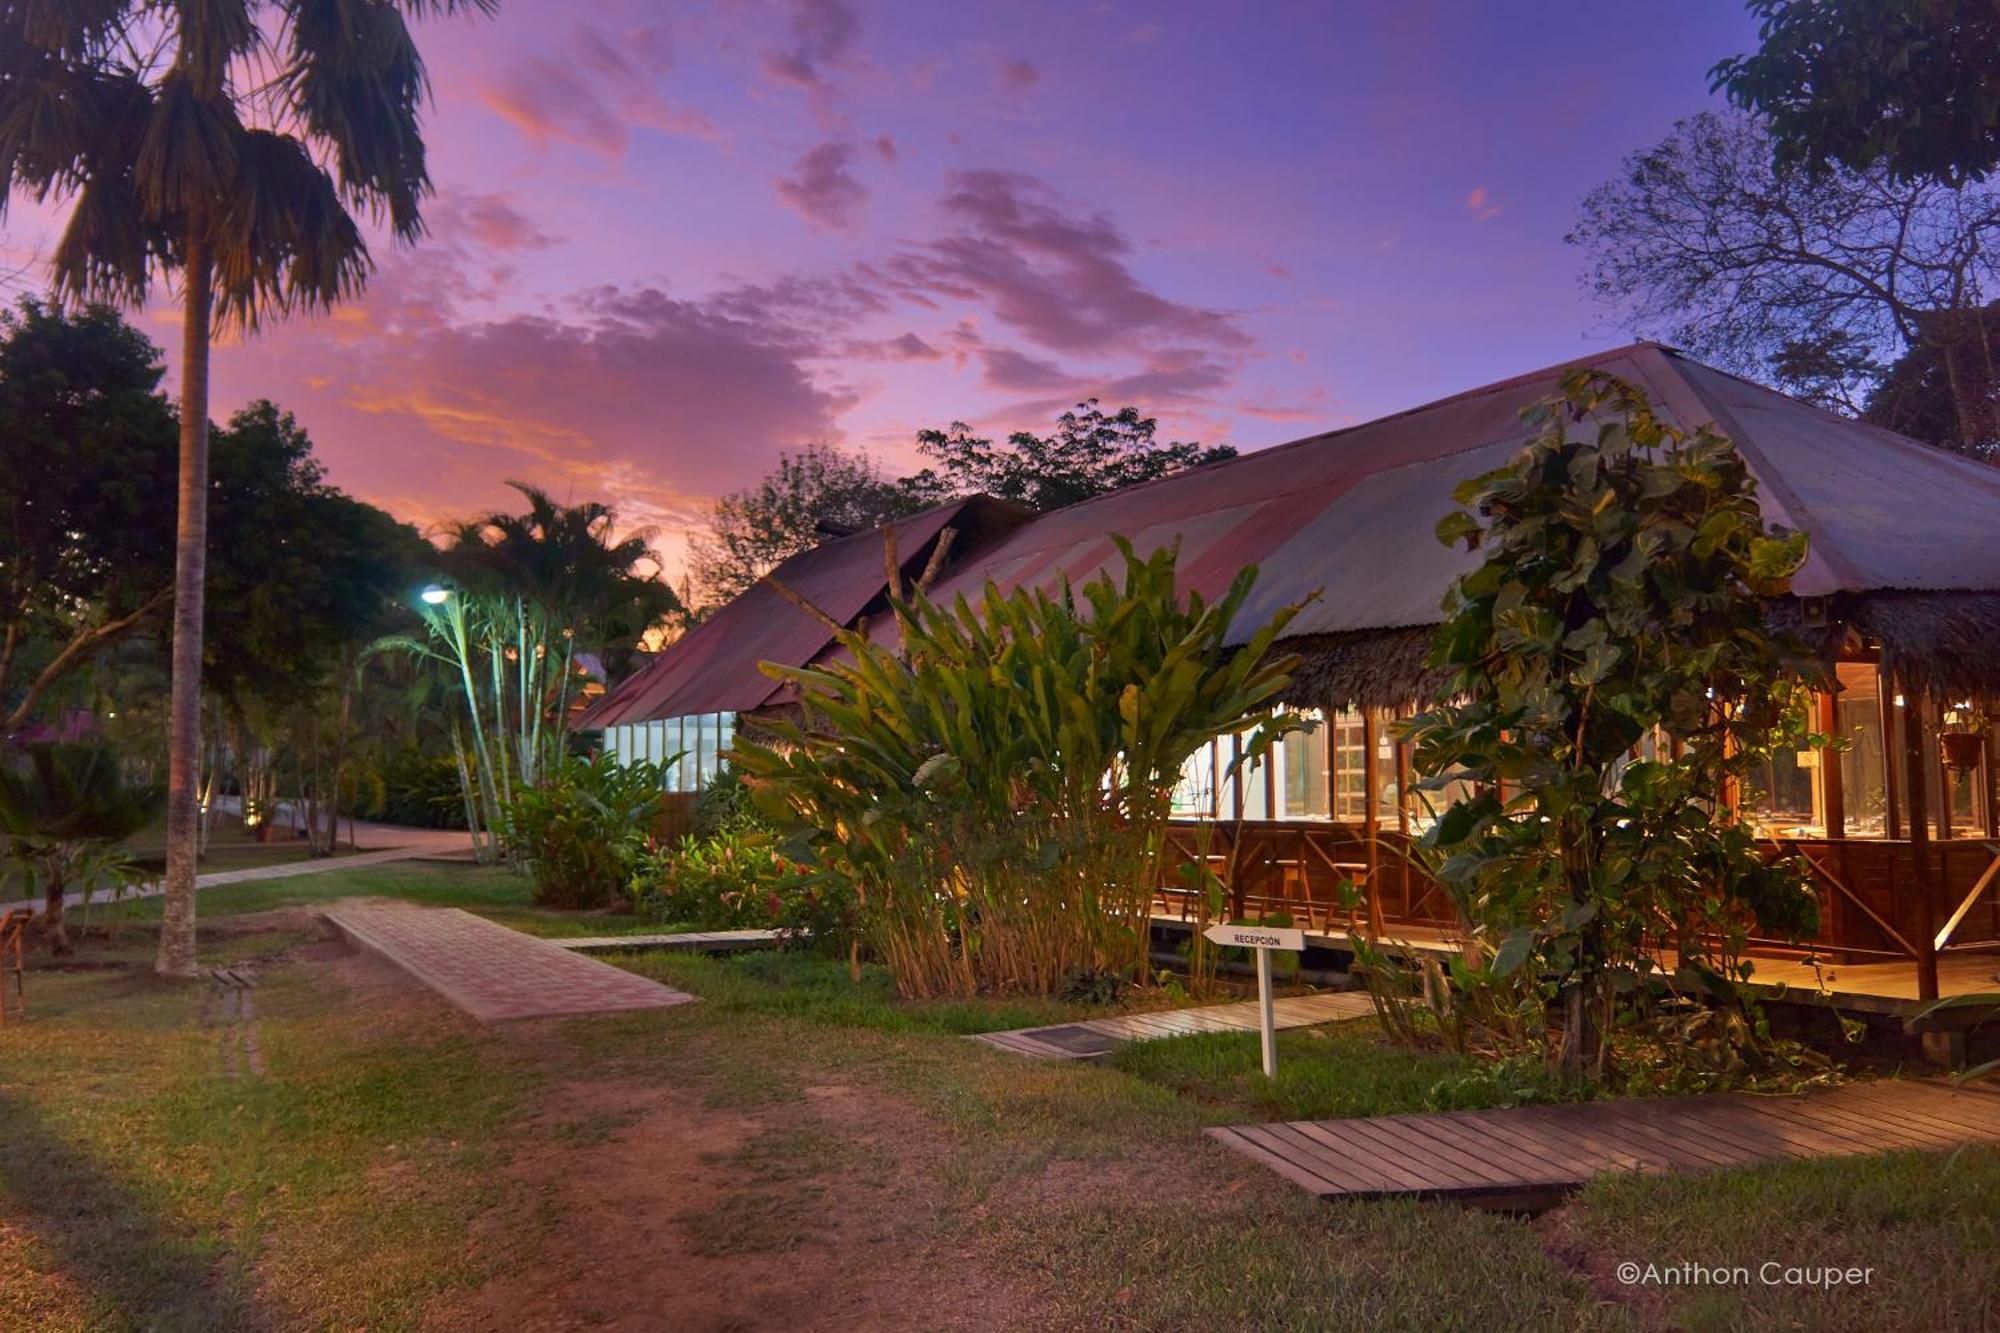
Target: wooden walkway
[1527, 1157]
[1094, 1037]
[490, 971]
[697, 941]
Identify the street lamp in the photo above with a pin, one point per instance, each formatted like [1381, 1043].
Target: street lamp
[435, 594]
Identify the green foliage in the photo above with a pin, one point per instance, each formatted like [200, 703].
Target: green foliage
[417, 789]
[1089, 453]
[1613, 671]
[1910, 85]
[821, 490]
[583, 828]
[737, 878]
[997, 786]
[64, 808]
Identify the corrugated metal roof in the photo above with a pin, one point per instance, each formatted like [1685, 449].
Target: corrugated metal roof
[1350, 514]
[714, 667]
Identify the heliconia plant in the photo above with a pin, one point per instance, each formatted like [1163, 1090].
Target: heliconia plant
[995, 783]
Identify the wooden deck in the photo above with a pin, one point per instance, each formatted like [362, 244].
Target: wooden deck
[1095, 1037]
[693, 941]
[1884, 987]
[1527, 1157]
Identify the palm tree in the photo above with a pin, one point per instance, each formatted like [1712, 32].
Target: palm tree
[225, 142]
[64, 808]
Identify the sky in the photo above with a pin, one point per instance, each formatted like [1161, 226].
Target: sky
[670, 241]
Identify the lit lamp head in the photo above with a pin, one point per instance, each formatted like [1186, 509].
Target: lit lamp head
[435, 594]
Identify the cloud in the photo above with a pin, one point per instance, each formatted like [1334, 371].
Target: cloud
[488, 220]
[595, 94]
[1058, 277]
[1017, 372]
[820, 34]
[885, 147]
[1016, 76]
[904, 347]
[823, 189]
[1478, 204]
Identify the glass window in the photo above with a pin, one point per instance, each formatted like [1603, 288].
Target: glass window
[1782, 794]
[1864, 771]
[1304, 783]
[1194, 794]
[1350, 779]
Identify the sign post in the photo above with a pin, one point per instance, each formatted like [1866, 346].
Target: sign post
[1262, 939]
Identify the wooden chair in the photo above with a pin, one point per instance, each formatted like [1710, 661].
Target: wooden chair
[13, 930]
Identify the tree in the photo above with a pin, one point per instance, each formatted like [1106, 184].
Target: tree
[1611, 673]
[64, 809]
[603, 588]
[1910, 86]
[1819, 282]
[820, 492]
[1920, 395]
[223, 141]
[86, 447]
[304, 578]
[1088, 454]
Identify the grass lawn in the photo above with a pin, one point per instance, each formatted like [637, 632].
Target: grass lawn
[798, 1152]
[488, 891]
[230, 846]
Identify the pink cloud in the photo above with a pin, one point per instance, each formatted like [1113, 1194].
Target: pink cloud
[1479, 204]
[821, 33]
[488, 220]
[1058, 277]
[1016, 76]
[823, 188]
[595, 94]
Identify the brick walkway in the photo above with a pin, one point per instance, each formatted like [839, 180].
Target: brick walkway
[492, 972]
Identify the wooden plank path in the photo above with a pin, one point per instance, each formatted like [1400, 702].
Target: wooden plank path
[1095, 1037]
[699, 941]
[1528, 1157]
[490, 971]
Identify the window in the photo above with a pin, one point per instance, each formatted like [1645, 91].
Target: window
[700, 741]
[1195, 794]
[1863, 758]
[1303, 786]
[1350, 789]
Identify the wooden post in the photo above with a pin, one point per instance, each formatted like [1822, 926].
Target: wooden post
[1371, 818]
[1833, 792]
[1915, 761]
[1892, 809]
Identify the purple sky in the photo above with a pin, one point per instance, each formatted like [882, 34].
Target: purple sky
[671, 240]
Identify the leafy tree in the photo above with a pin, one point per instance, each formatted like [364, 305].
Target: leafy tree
[64, 809]
[1819, 282]
[820, 492]
[223, 141]
[603, 588]
[1922, 393]
[302, 572]
[86, 448]
[1911, 86]
[1089, 453]
[1611, 672]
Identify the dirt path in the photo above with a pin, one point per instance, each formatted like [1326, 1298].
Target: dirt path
[661, 1210]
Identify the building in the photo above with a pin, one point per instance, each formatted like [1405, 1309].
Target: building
[1901, 590]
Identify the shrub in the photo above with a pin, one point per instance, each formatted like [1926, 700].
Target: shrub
[738, 879]
[998, 785]
[418, 790]
[582, 830]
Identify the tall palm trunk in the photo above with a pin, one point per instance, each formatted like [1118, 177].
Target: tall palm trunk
[190, 567]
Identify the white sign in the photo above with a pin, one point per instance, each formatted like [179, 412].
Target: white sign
[1263, 939]
[1258, 937]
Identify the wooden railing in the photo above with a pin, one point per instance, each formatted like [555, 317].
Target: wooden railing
[1867, 886]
